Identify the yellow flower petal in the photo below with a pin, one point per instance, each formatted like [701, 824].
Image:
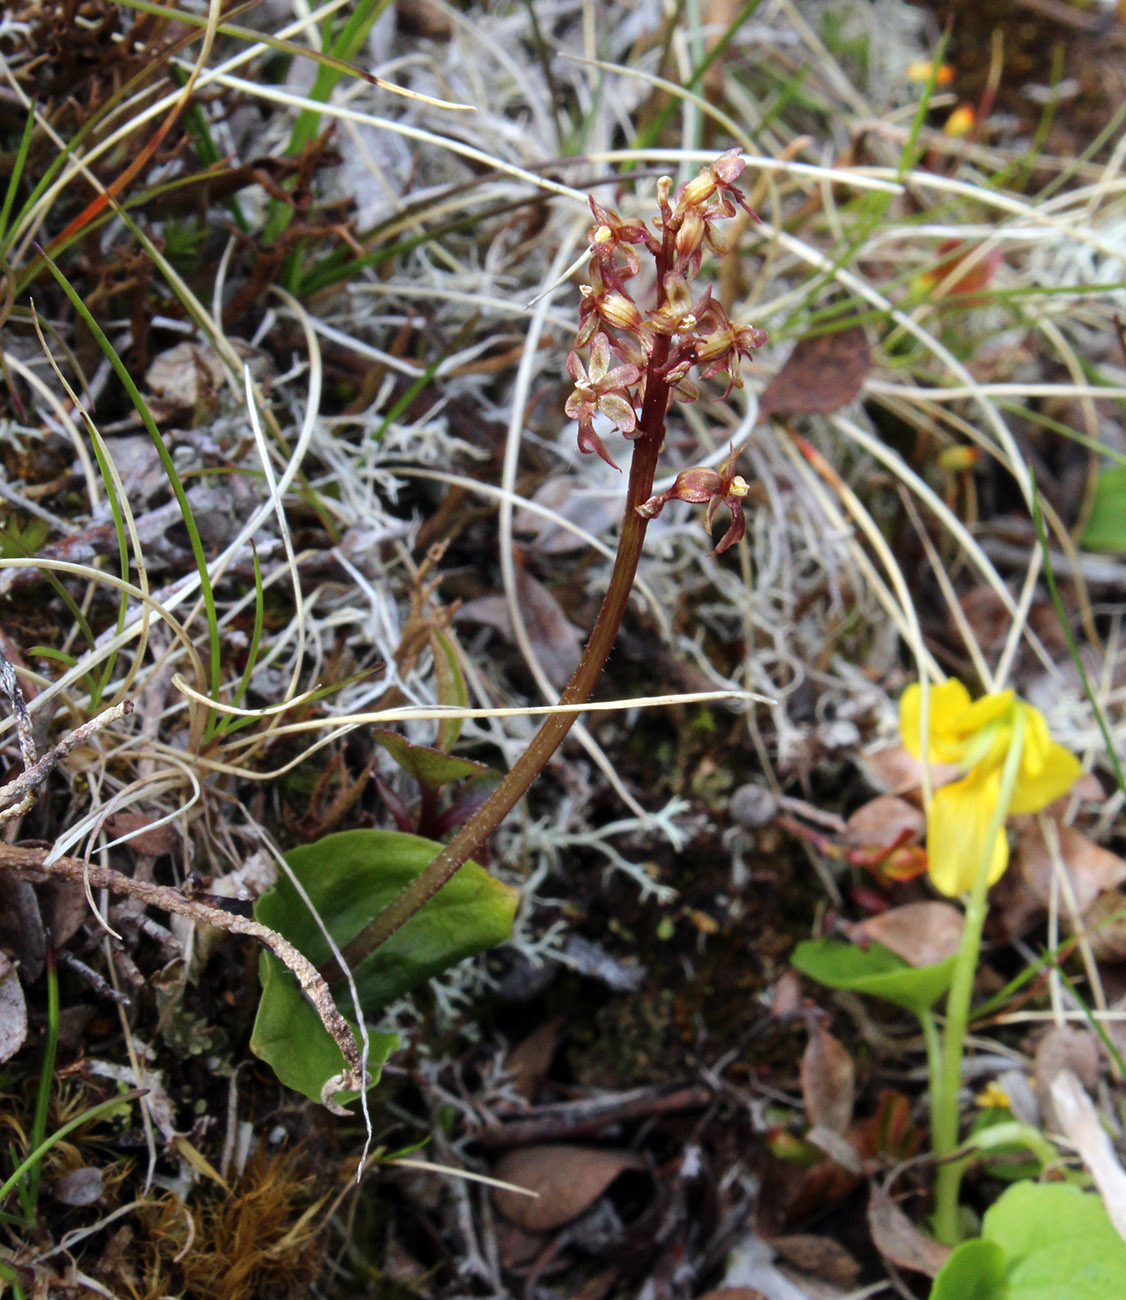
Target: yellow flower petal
[948, 704]
[1046, 771]
[989, 709]
[957, 830]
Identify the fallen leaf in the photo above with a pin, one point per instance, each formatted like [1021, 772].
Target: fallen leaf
[1064, 1047]
[529, 1061]
[786, 999]
[555, 640]
[733, 1293]
[1104, 925]
[922, 934]
[13, 1011]
[828, 1081]
[21, 926]
[820, 375]
[897, 1238]
[144, 835]
[573, 500]
[566, 1180]
[962, 268]
[1091, 870]
[819, 1255]
[894, 770]
[884, 821]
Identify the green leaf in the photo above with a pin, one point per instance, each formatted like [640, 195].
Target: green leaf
[350, 878]
[1054, 1242]
[1106, 525]
[451, 688]
[874, 970]
[431, 768]
[974, 1271]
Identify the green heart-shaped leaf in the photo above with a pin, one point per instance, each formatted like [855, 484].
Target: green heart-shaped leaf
[349, 879]
[874, 970]
[1040, 1241]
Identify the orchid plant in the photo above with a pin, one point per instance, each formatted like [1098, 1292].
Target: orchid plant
[638, 361]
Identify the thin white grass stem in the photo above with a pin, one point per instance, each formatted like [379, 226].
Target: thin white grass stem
[425, 712]
[906, 475]
[66, 423]
[112, 644]
[689, 98]
[953, 604]
[1019, 626]
[904, 604]
[1083, 391]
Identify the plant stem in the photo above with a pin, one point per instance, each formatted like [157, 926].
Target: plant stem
[643, 468]
[944, 1108]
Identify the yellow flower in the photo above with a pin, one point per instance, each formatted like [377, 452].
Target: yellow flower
[976, 736]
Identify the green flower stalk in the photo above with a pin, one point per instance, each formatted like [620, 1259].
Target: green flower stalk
[1014, 766]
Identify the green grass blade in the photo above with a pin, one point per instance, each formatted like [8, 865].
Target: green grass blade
[35, 1157]
[46, 1079]
[110, 353]
[14, 177]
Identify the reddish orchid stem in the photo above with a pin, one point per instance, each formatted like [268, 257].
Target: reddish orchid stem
[643, 468]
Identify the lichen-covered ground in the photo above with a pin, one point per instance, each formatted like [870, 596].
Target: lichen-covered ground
[284, 369]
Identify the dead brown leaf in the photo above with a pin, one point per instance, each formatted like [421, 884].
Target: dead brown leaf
[1090, 869]
[734, 1293]
[895, 771]
[897, 1238]
[156, 842]
[556, 641]
[567, 1181]
[1104, 925]
[820, 375]
[573, 500]
[13, 1011]
[1064, 1047]
[828, 1081]
[819, 1255]
[884, 821]
[530, 1060]
[922, 934]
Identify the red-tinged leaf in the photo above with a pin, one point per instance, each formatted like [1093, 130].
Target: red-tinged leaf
[430, 768]
[962, 270]
[922, 934]
[828, 1081]
[820, 375]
